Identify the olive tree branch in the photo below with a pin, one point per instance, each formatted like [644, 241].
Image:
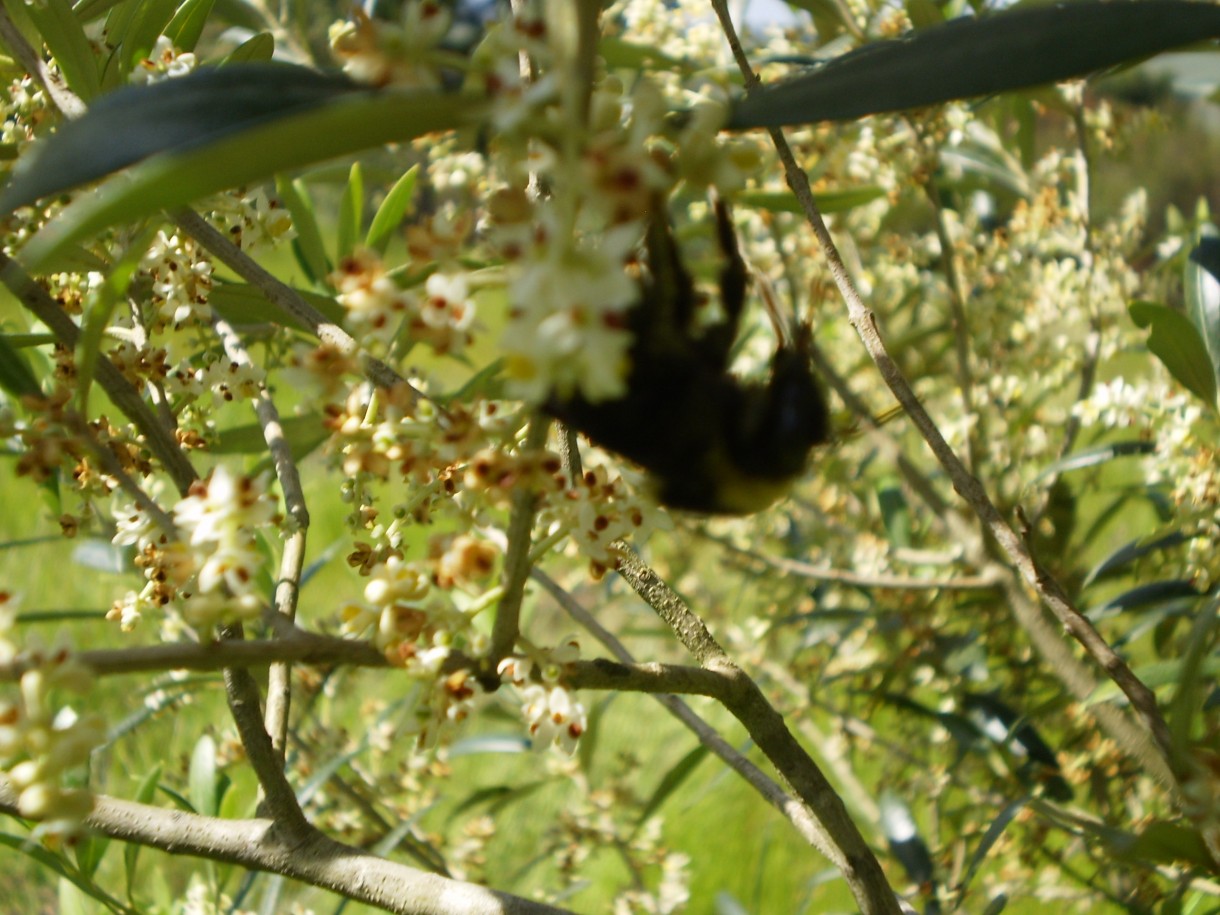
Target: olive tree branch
[839, 840]
[279, 694]
[624, 673]
[159, 439]
[302, 853]
[965, 483]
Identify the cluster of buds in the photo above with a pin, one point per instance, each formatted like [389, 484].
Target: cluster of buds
[42, 741]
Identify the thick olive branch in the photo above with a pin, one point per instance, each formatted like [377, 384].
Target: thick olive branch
[298, 851]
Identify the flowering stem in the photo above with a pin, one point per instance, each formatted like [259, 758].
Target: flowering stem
[517, 555]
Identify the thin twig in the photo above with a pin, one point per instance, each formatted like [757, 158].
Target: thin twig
[157, 437]
[839, 840]
[1142, 699]
[286, 298]
[300, 647]
[517, 555]
[798, 814]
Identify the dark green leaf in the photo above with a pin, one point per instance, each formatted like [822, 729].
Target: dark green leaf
[349, 123]
[994, 831]
[15, 375]
[1177, 343]
[1165, 843]
[1009, 50]
[1145, 596]
[1130, 552]
[390, 214]
[895, 514]
[135, 122]
[57, 864]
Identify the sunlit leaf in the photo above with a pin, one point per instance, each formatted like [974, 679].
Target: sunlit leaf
[303, 434]
[307, 245]
[187, 25]
[1201, 285]
[964, 58]
[1177, 343]
[839, 201]
[351, 213]
[257, 49]
[390, 214]
[202, 777]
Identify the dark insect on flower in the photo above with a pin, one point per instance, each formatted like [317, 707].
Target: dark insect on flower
[712, 442]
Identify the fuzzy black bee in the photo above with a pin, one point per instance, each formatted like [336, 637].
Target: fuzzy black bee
[712, 442]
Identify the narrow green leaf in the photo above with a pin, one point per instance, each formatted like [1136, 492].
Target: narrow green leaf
[257, 49]
[631, 55]
[839, 201]
[827, 16]
[993, 833]
[202, 777]
[1131, 552]
[244, 304]
[671, 781]
[1027, 46]
[16, 377]
[895, 514]
[187, 25]
[56, 864]
[1177, 343]
[351, 213]
[1153, 675]
[100, 303]
[150, 21]
[65, 37]
[89, 852]
[307, 245]
[1201, 283]
[1164, 843]
[135, 122]
[303, 434]
[391, 212]
[345, 125]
